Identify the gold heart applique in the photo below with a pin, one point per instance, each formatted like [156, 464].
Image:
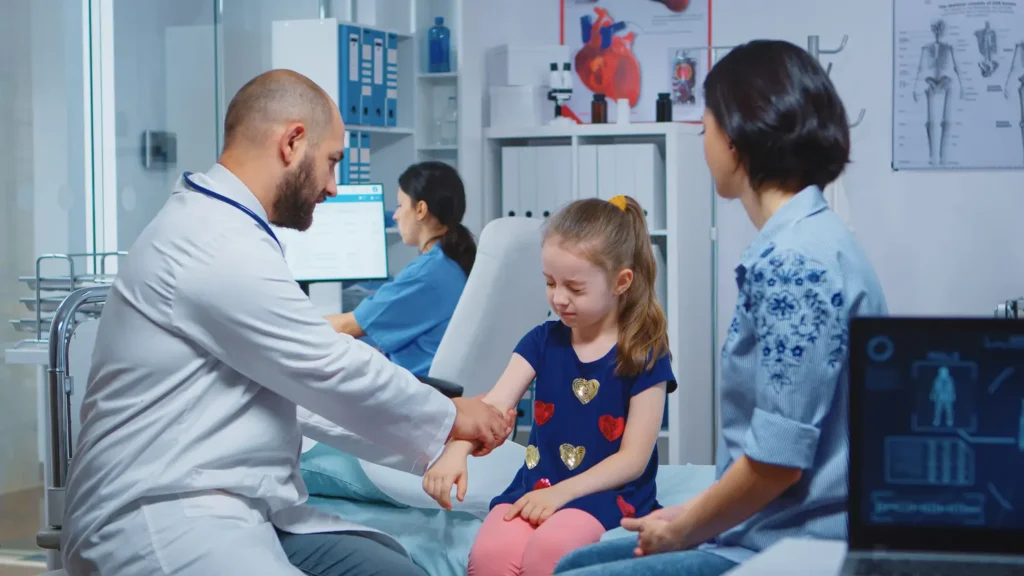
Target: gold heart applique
[571, 455]
[584, 389]
[532, 456]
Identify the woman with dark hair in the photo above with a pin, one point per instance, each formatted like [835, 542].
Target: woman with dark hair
[775, 134]
[407, 317]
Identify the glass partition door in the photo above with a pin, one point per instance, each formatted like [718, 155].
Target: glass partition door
[155, 101]
[162, 74]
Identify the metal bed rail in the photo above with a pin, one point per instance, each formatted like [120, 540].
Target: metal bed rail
[64, 274]
[60, 388]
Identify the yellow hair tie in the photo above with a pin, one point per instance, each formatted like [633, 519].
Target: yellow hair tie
[619, 202]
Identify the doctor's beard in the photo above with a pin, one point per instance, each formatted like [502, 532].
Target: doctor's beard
[296, 198]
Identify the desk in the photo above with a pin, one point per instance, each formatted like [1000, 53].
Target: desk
[795, 557]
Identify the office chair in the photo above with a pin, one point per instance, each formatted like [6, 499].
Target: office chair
[504, 298]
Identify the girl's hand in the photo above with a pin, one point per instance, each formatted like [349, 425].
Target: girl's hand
[450, 468]
[655, 535]
[537, 506]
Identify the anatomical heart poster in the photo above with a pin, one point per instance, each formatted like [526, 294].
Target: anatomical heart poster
[634, 50]
[958, 84]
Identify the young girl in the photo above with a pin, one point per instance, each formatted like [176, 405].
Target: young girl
[602, 374]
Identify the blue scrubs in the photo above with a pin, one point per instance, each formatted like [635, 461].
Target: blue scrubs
[406, 318]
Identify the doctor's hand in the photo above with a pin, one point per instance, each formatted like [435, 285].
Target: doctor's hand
[448, 469]
[479, 422]
[510, 418]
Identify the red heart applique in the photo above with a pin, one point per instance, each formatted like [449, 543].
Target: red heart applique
[543, 483]
[611, 427]
[625, 507]
[542, 412]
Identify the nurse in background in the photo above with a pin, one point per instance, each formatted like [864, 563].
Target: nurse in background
[407, 317]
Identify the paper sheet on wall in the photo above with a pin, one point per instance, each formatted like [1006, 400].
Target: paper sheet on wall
[636, 50]
[958, 93]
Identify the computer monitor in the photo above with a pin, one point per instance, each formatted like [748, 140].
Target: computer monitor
[937, 433]
[347, 241]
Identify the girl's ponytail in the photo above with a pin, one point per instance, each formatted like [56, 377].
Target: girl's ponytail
[643, 330]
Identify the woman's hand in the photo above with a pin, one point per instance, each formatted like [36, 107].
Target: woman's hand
[448, 469]
[667, 514]
[656, 534]
[537, 506]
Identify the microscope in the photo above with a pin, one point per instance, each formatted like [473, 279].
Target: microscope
[561, 91]
[1010, 309]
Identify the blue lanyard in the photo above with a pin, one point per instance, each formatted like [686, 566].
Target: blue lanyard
[232, 203]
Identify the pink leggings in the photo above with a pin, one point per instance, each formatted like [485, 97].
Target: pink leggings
[518, 548]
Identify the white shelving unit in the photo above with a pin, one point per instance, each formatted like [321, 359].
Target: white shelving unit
[310, 47]
[687, 244]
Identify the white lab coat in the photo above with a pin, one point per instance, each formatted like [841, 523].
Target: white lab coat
[188, 452]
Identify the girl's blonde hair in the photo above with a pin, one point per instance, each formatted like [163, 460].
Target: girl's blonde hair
[613, 236]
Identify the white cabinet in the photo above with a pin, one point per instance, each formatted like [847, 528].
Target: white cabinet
[535, 180]
[637, 170]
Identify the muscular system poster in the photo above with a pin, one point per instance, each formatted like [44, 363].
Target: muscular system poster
[635, 50]
[958, 93]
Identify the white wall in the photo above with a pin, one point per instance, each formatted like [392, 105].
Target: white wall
[18, 467]
[942, 242]
[245, 38]
[486, 24]
[147, 99]
[42, 171]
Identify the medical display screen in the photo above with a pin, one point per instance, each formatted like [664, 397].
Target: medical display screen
[347, 240]
[942, 424]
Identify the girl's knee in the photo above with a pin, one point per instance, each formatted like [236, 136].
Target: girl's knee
[499, 545]
[564, 532]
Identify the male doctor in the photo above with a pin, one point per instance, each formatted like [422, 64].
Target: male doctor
[187, 459]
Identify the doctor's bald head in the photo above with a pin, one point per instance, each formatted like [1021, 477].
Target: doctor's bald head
[286, 131]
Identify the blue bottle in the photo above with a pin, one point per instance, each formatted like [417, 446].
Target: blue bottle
[440, 47]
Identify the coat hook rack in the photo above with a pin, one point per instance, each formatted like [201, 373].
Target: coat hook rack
[814, 49]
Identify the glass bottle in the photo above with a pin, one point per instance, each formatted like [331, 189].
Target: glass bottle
[439, 40]
[599, 110]
[448, 123]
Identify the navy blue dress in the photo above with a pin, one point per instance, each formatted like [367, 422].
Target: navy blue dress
[580, 411]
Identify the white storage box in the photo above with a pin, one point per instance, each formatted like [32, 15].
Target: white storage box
[521, 106]
[523, 64]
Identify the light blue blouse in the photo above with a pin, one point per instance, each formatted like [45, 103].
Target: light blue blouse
[407, 317]
[784, 371]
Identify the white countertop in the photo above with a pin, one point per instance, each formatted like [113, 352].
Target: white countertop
[27, 353]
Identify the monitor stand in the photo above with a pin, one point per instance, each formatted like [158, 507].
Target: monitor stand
[305, 287]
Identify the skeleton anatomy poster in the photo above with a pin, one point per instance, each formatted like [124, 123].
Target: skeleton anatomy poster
[958, 94]
[634, 50]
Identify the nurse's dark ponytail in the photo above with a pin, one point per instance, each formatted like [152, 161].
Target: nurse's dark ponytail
[439, 186]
